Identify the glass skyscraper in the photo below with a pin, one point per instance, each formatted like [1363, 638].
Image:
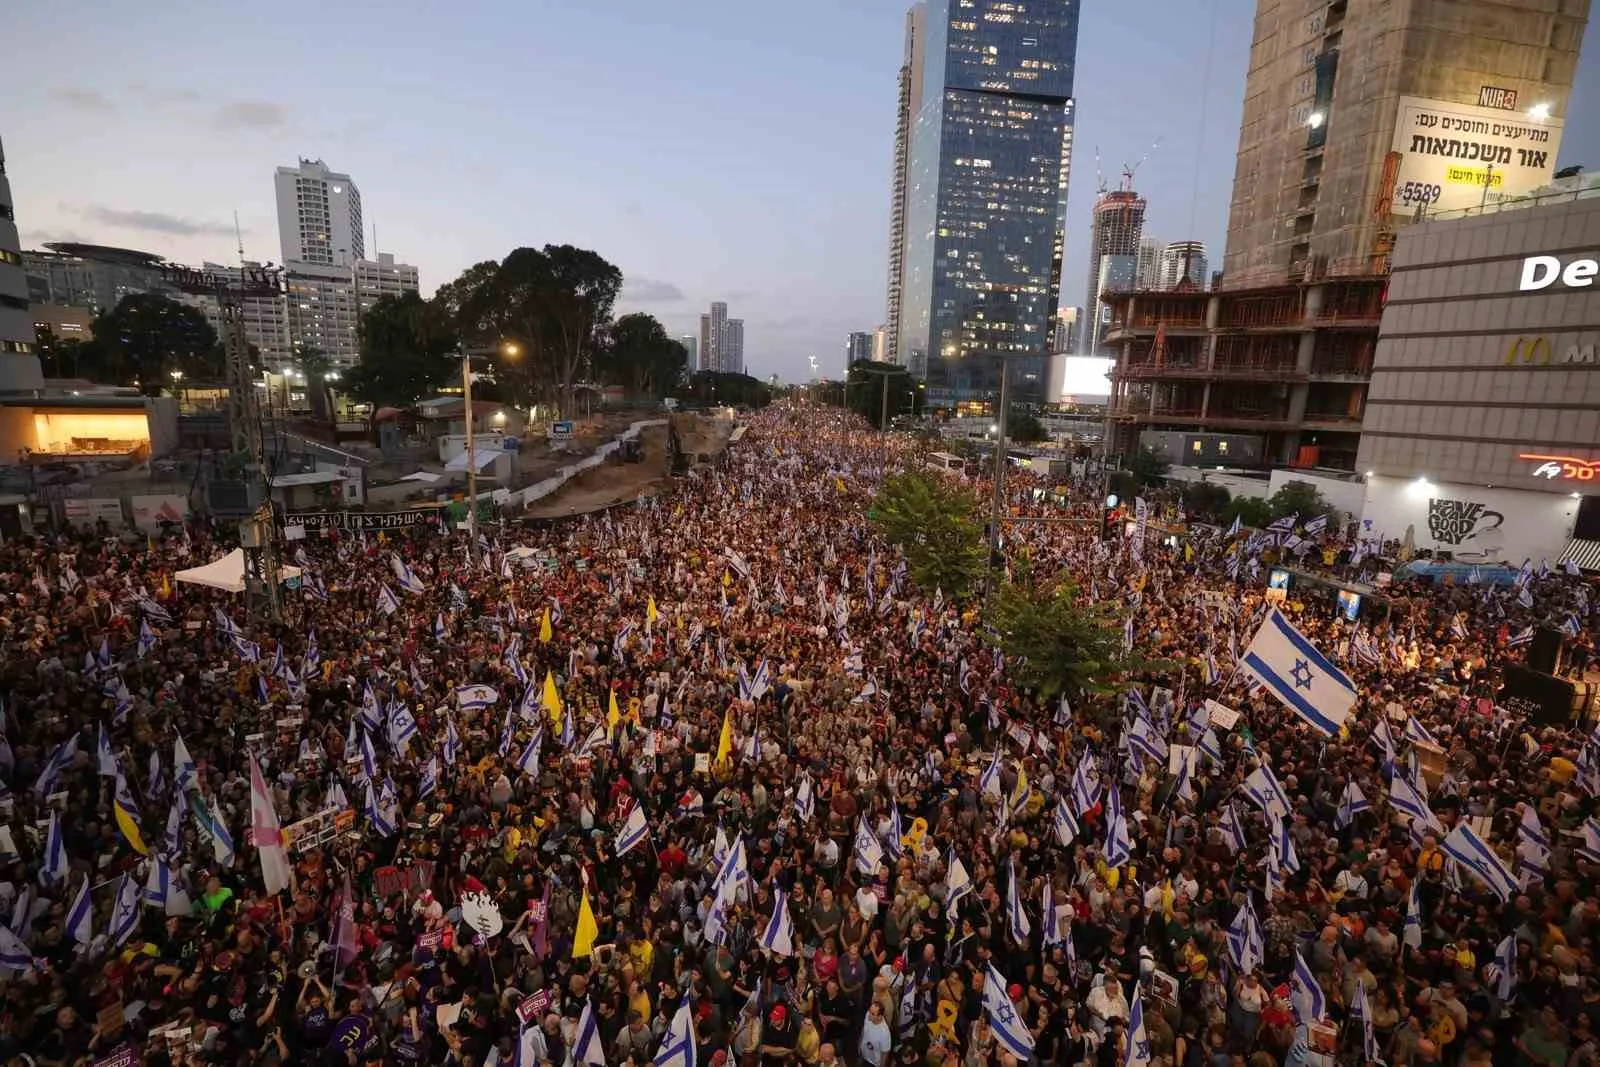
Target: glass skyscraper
[990, 155]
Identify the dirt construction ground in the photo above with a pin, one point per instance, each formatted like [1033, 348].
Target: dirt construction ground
[615, 482]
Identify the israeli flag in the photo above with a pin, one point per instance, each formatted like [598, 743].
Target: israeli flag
[1066, 827]
[382, 820]
[125, 912]
[1469, 850]
[896, 846]
[1262, 789]
[1505, 967]
[158, 884]
[1291, 668]
[430, 779]
[1415, 731]
[1282, 846]
[528, 762]
[1138, 1050]
[869, 853]
[80, 918]
[221, 840]
[635, 831]
[402, 727]
[805, 800]
[184, 772]
[1009, 1028]
[452, 741]
[369, 758]
[989, 781]
[678, 1044]
[778, 937]
[1305, 995]
[14, 955]
[957, 883]
[586, 1047]
[1016, 917]
[476, 696]
[1410, 800]
[1085, 783]
[1232, 831]
[1411, 933]
[405, 575]
[1119, 847]
[54, 869]
[1247, 944]
[1051, 932]
[1359, 1009]
[388, 603]
[1351, 803]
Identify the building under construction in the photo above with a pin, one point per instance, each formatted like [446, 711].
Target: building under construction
[1257, 377]
[1114, 233]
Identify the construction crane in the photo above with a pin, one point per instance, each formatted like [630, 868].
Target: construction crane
[1128, 171]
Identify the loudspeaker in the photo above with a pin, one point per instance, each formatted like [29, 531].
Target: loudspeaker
[1545, 700]
[1544, 654]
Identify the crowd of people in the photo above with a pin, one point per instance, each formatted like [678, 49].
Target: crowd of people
[707, 779]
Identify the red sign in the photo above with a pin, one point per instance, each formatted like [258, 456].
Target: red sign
[533, 1007]
[1566, 468]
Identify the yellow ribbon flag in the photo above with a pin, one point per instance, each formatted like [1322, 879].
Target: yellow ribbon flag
[613, 713]
[726, 580]
[126, 813]
[1020, 793]
[838, 483]
[650, 612]
[588, 931]
[546, 631]
[551, 700]
[166, 587]
[725, 742]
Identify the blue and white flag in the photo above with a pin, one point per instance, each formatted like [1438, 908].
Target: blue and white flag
[104, 756]
[80, 917]
[1137, 1053]
[147, 639]
[1305, 995]
[989, 780]
[405, 575]
[778, 937]
[402, 727]
[125, 912]
[805, 800]
[53, 871]
[1016, 917]
[1505, 968]
[1469, 850]
[678, 1044]
[957, 883]
[635, 831]
[1415, 731]
[1049, 915]
[1009, 1028]
[1263, 790]
[1411, 800]
[1119, 847]
[1281, 846]
[1085, 783]
[388, 603]
[1316, 526]
[1360, 1009]
[586, 1046]
[895, 843]
[185, 774]
[1290, 667]
[476, 696]
[452, 741]
[1411, 932]
[869, 853]
[382, 819]
[1232, 830]
[1065, 826]
[221, 839]
[369, 758]
[429, 782]
[14, 955]
[1247, 943]
[158, 886]
[1351, 803]
[528, 762]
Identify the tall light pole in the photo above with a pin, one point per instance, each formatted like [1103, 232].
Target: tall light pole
[508, 348]
[997, 498]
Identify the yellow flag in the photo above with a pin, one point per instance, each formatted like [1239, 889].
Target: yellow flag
[546, 631]
[613, 713]
[551, 701]
[1020, 793]
[130, 830]
[838, 483]
[650, 612]
[588, 930]
[726, 581]
[166, 588]
[725, 743]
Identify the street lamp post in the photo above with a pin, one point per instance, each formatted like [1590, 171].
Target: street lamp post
[472, 458]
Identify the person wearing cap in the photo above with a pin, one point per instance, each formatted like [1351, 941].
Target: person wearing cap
[778, 1036]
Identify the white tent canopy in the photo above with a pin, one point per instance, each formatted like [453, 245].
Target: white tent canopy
[227, 573]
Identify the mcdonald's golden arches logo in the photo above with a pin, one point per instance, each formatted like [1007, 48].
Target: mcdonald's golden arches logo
[1529, 351]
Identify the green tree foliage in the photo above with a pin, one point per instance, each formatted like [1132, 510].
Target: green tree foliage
[1147, 467]
[1299, 498]
[720, 387]
[936, 522]
[144, 339]
[637, 354]
[1249, 510]
[315, 367]
[406, 352]
[1024, 429]
[1059, 644]
[1206, 500]
[870, 387]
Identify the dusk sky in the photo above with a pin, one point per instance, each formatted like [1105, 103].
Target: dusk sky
[712, 149]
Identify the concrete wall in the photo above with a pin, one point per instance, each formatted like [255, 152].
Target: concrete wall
[1475, 524]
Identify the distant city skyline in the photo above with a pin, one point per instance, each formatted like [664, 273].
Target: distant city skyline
[454, 171]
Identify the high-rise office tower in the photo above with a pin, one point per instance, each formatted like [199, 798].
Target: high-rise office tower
[1114, 233]
[910, 105]
[1180, 260]
[1066, 338]
[1148, 267]
[691, 348]
[986, 204]
[733, 346]
[880, 345]
[319, 215]
[1452, 104]
[19, 362]
[857, 345]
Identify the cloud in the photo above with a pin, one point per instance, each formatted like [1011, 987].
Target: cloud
[154, 222]
[250, 115]
[650, 291]
[90, 100]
